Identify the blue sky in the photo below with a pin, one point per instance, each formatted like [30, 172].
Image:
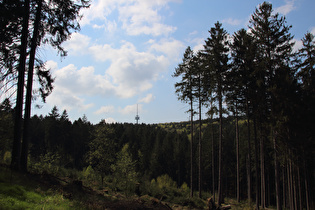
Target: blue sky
[127, 51]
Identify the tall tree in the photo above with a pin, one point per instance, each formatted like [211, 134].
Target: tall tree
[201, 95]
[16, 149]
[216, 61]
[275, 52]
[29, 88]
[185, 93]
[62, 17]
[102, 151]
[241, 91]
[306, 76]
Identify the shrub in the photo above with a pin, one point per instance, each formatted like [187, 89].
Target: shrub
[165, 182]
[7, 157]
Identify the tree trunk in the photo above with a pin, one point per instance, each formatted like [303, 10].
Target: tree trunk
[279, 207]
[290, 197]
[213, 171]
[284, 188]
[16, 147]
[27, 112]
[291, 185]
[249, 176]
[199, 145]
[191, 148]
[299, 185]
[294, 189]
[237, 158]
[306, 184]
[256, 163]
[262, 171]
[220, 144]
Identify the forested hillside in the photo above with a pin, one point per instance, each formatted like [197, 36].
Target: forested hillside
[256, 145]
[143, 152]
[254, 75]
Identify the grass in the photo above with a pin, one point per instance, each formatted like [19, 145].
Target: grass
[36, 191]
[19, 197]
[20, 192]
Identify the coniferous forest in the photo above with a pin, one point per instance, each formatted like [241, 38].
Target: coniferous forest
[256, 145]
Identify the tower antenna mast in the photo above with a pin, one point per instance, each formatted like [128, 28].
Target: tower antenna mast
[137, 116]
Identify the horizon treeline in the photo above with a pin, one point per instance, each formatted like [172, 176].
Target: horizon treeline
[257, 76]
[257, 145]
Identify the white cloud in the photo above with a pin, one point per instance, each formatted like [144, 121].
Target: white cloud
[147, 99]
[66, 100]
[197, 44]
[105, 110]
[142, 17]
[72, 85]
[131, 109]
[170, 47]
[110, 120]
[137, 16]
[99, 10]
[313, 31]
[297, 44]
[52, 65]
[131, 71]
[233, 22]
[78, 43]
[285, 9]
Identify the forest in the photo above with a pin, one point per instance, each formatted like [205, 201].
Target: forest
[256, 146]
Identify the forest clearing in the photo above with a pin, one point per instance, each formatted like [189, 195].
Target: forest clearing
[248, 142]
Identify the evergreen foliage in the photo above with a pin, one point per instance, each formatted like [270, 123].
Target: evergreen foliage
[258, 94]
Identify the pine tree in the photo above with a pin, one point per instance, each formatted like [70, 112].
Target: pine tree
[275, 78]
[216, 61]
[240, 92]
[185, 92]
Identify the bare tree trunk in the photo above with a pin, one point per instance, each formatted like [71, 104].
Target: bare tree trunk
[16, 147]
[306, 184]
[290, 197]
[237, 158]
[220, 146]
[199, 145]
[191, 148]
[213, 171]
[249, 177]
[284, 188]
[28, 101]
[257, 163]
[262, 171]
[294, 189]
[291, 185]
[299, 185]
[279, 207]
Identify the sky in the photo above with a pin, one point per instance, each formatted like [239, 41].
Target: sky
[127, 50]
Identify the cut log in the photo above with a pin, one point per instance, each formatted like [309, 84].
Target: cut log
[226, 207]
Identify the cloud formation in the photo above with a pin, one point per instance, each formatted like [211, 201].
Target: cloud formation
[147, 99]
[136, 16]
[130, 109]
[105, 110]
[233, 22]
[287, 8]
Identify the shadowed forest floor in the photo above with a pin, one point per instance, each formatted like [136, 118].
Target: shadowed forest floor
[39, 191]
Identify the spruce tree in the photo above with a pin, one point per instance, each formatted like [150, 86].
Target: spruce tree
[185, 92]
[216, 61]
[274, 78]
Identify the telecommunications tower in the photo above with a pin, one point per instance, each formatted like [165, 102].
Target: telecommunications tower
[137, 118]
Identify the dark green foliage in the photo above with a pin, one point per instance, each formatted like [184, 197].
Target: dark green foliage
[6, 127]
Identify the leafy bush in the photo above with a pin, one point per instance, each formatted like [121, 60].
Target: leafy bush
[165, 182]
[48, 163]
[7, 157]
